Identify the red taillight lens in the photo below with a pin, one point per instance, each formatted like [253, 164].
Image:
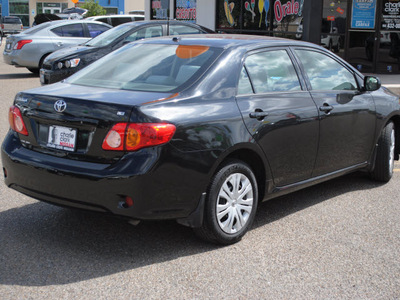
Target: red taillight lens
[134, 136]
[16, 122]
[21, 43]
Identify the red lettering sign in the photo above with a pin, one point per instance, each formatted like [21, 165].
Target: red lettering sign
[290, 8]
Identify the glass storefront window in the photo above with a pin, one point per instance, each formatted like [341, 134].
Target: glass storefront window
[20, 8]
[266, 17]
[185, 10]
[159, 9]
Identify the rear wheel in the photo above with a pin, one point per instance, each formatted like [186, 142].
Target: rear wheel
[231, 204]
[384, 161]
[34, 70]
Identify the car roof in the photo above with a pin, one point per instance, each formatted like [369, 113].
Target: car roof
[230, 41]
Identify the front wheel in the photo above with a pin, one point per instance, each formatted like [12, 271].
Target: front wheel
[384, 161]
[231, 204]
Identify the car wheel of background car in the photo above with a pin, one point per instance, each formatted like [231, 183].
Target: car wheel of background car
[336, 49]
[231, 204]
[36, 70]
[384, 161]
[330, 45]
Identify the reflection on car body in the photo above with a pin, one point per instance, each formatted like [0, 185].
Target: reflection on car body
[199, 129]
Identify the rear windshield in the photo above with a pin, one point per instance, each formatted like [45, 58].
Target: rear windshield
[37, 28]
[11, 20]
[148, 67]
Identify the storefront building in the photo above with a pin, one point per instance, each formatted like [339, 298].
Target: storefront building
[364, 32]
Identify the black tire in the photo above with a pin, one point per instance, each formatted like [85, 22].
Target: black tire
[337, 48]
[238, 217]
[384, 160]
[34, 70]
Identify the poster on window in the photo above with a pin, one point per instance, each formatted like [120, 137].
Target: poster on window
[256, 15]
[390, 15]
[185, 10]
[159, 9]
[363, 14]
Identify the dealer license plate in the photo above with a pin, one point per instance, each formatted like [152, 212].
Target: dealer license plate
[62, 138]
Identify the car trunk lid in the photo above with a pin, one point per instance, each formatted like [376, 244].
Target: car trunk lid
[76, 124]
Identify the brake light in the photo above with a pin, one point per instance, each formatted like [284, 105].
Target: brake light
[134, 136]
[21, 43]
[16, 122]
[2, 26]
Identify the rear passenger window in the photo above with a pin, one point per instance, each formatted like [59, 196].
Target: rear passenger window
[325, 73]
[272, 71]
[96, 29]
[103, 20]
[120, 20]
[72, 30]
[181, 29]
[148, 32]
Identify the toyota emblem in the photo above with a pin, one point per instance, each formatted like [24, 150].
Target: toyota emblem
[60, 106]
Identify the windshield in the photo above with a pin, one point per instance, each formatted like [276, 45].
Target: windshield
[109, 36]
[148, 67]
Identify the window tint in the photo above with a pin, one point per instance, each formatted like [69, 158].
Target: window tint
[325, 73]
[72, 30]
[120, 20]
[104, 20]
[272, 71]
[148, 32]
[96, 29]
[244, 85]
[181, 29]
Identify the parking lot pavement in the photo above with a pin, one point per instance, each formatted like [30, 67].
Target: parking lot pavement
[336, 240]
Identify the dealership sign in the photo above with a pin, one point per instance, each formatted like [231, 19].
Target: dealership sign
[363, 14]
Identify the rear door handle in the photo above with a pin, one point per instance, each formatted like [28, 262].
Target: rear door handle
[326, 108]
[259, 115]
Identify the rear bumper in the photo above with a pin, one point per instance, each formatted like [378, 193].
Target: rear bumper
[158, 189]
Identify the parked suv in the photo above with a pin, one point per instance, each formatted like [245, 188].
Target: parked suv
[10, 25]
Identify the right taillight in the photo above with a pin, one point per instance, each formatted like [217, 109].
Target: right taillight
[16, 122]
[21, 43]
[134, 136]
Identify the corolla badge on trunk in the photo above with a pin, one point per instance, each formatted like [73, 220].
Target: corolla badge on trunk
[60, 106]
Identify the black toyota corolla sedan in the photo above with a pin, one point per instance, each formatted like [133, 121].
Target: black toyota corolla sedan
[199, 129]
[65, 62]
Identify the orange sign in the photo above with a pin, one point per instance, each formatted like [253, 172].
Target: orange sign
[75, 1]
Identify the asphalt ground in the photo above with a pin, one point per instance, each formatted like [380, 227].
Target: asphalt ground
[336, 240]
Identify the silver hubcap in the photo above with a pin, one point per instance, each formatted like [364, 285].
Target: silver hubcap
[234, 203]
[391, 152]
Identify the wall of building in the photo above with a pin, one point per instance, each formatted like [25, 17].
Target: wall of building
[134, 5]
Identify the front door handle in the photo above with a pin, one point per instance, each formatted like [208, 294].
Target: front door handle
[326, 108]
[258, 114]
[59, 44]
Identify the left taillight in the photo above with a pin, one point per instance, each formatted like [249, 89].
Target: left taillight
[16, 122]
[21, 43]
[134, 136]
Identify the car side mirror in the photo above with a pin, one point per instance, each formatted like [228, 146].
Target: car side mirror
[372, 83]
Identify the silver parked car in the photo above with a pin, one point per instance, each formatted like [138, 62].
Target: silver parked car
[30, 48]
